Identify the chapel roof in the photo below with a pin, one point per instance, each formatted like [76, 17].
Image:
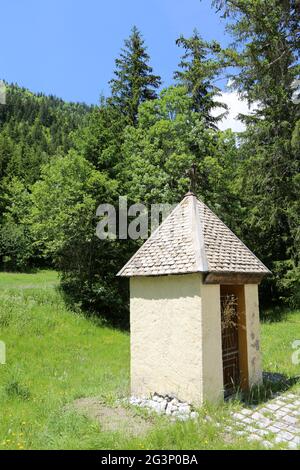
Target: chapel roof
[193, 239]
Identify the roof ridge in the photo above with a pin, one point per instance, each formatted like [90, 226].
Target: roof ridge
[198, 236]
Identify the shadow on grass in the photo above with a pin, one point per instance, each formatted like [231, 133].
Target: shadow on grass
[274, 314]
[118, 319]
[25, 270]
[273, 383]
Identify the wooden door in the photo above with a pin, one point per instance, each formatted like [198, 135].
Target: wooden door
[230, 344]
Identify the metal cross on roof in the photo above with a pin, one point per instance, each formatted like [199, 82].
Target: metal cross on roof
[193, 176]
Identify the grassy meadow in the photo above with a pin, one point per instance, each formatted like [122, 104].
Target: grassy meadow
[55, 356]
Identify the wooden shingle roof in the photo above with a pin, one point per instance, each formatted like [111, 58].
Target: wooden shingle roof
[193, 239]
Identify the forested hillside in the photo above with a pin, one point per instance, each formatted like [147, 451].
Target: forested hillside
[33, 129]
[59, 161]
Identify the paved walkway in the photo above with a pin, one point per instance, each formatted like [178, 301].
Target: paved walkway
[277, 422]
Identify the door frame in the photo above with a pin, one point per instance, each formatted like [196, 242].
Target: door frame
[239, 292]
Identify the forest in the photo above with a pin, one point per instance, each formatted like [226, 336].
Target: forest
[59, 160]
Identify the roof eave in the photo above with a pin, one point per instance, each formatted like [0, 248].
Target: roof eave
[238, 278]
[210, 277]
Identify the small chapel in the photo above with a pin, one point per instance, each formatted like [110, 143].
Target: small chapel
[194, 310]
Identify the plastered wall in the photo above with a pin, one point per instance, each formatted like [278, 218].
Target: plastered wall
[176, 338]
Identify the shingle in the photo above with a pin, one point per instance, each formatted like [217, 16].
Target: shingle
[192, 239]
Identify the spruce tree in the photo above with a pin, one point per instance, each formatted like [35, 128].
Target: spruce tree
[199, 66]
[134, 80]
[266, 52]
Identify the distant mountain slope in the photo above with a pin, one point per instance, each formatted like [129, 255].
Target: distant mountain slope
[33, 127]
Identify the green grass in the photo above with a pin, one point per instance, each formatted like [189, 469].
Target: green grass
[41, 279]
[277, 341]
[55, 356]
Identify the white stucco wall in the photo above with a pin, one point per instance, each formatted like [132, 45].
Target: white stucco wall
[253, 334]
[176, 338]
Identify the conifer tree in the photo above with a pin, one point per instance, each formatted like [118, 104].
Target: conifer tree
[266, 51]
[134, 81]
[198, 69]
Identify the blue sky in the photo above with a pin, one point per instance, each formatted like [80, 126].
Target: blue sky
[67, 47]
